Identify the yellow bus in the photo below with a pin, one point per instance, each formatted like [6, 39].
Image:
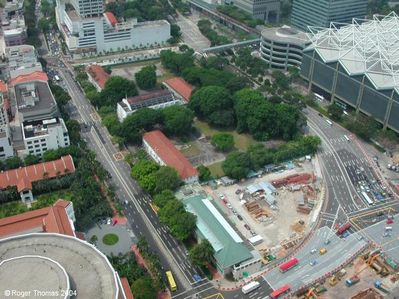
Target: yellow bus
[154, 208]
[171, 281]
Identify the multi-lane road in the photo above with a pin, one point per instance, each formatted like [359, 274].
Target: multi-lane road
[141, 217]
[345, 167]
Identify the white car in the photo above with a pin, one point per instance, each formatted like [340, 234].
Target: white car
[109, 221]
[229, 206]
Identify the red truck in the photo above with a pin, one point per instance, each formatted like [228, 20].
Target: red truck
[353, 280]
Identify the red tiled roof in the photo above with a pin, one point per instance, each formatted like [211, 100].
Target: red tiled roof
[35, 76]
[3, 87]
[126, 288]
[180, 86]
[111, 18]
[23, 177]
[98, 74]
[51, 219]
[168, 153]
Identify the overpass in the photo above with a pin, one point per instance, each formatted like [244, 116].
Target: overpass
[211, 12]
[225, 47]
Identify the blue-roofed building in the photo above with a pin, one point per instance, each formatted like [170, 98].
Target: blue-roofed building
[229, 247]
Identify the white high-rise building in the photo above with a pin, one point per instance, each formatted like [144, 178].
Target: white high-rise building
[87, 28]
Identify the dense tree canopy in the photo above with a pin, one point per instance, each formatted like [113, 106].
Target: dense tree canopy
[335, 111]
[223, 141]
[263, 119]
[177, 62]
[202, 254]
[214, 104]
[180, 222]
[204, 173]
[237, 165]
[205, 26]
[116, 88]
[177, 120]
[134, 125]
[161, 199]
[167, 178]
[146, 78]
[142, 288]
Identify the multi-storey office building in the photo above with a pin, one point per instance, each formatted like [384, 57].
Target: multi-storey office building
[320, 13]
[358, 64]
[86, 28]
[267, 10]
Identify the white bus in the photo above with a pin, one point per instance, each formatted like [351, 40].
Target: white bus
[347, 138]
[253, 285]
[318, 97]
[367, 198]
[329, 122]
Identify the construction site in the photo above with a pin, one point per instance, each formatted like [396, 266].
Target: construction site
[273, 210]
[371, 276]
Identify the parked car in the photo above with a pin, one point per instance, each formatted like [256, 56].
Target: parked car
[238, 191]
[239, 217]
[312, 263]
[323, 250]
[247, 226]
[313, 251]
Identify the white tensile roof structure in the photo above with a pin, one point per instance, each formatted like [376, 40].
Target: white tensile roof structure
[369, 47]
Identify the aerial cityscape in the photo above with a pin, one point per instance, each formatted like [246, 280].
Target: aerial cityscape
[185, 149]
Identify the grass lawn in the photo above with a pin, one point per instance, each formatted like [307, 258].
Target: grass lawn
[135, 64]
[49, 199]
[110, 239]
[241, 141]
[216, 169]
[166, 74]
[191, 149]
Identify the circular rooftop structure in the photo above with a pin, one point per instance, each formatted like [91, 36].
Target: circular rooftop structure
[54, 262]
[14, 275]
[281, 47]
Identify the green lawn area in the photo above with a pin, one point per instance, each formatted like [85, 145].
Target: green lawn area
[49, 199]
[190, 150]
[110, 239]
[241, 141]
[216, 169]
[135, 64]
[166, 74]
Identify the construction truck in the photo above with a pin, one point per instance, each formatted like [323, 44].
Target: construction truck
[341, 274]
[381, 287]
[320, 290]
[352, 281]
[333, 280]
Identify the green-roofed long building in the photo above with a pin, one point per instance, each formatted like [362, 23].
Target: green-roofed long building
[231, 254]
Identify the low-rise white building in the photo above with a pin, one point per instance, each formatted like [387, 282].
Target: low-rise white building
[40, 136]
[155, 100]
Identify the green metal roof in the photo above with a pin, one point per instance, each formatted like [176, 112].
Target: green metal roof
[211, 225]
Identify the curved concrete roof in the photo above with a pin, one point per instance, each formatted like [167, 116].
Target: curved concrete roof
[89, 271]
[286, 35]
[44, 275]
